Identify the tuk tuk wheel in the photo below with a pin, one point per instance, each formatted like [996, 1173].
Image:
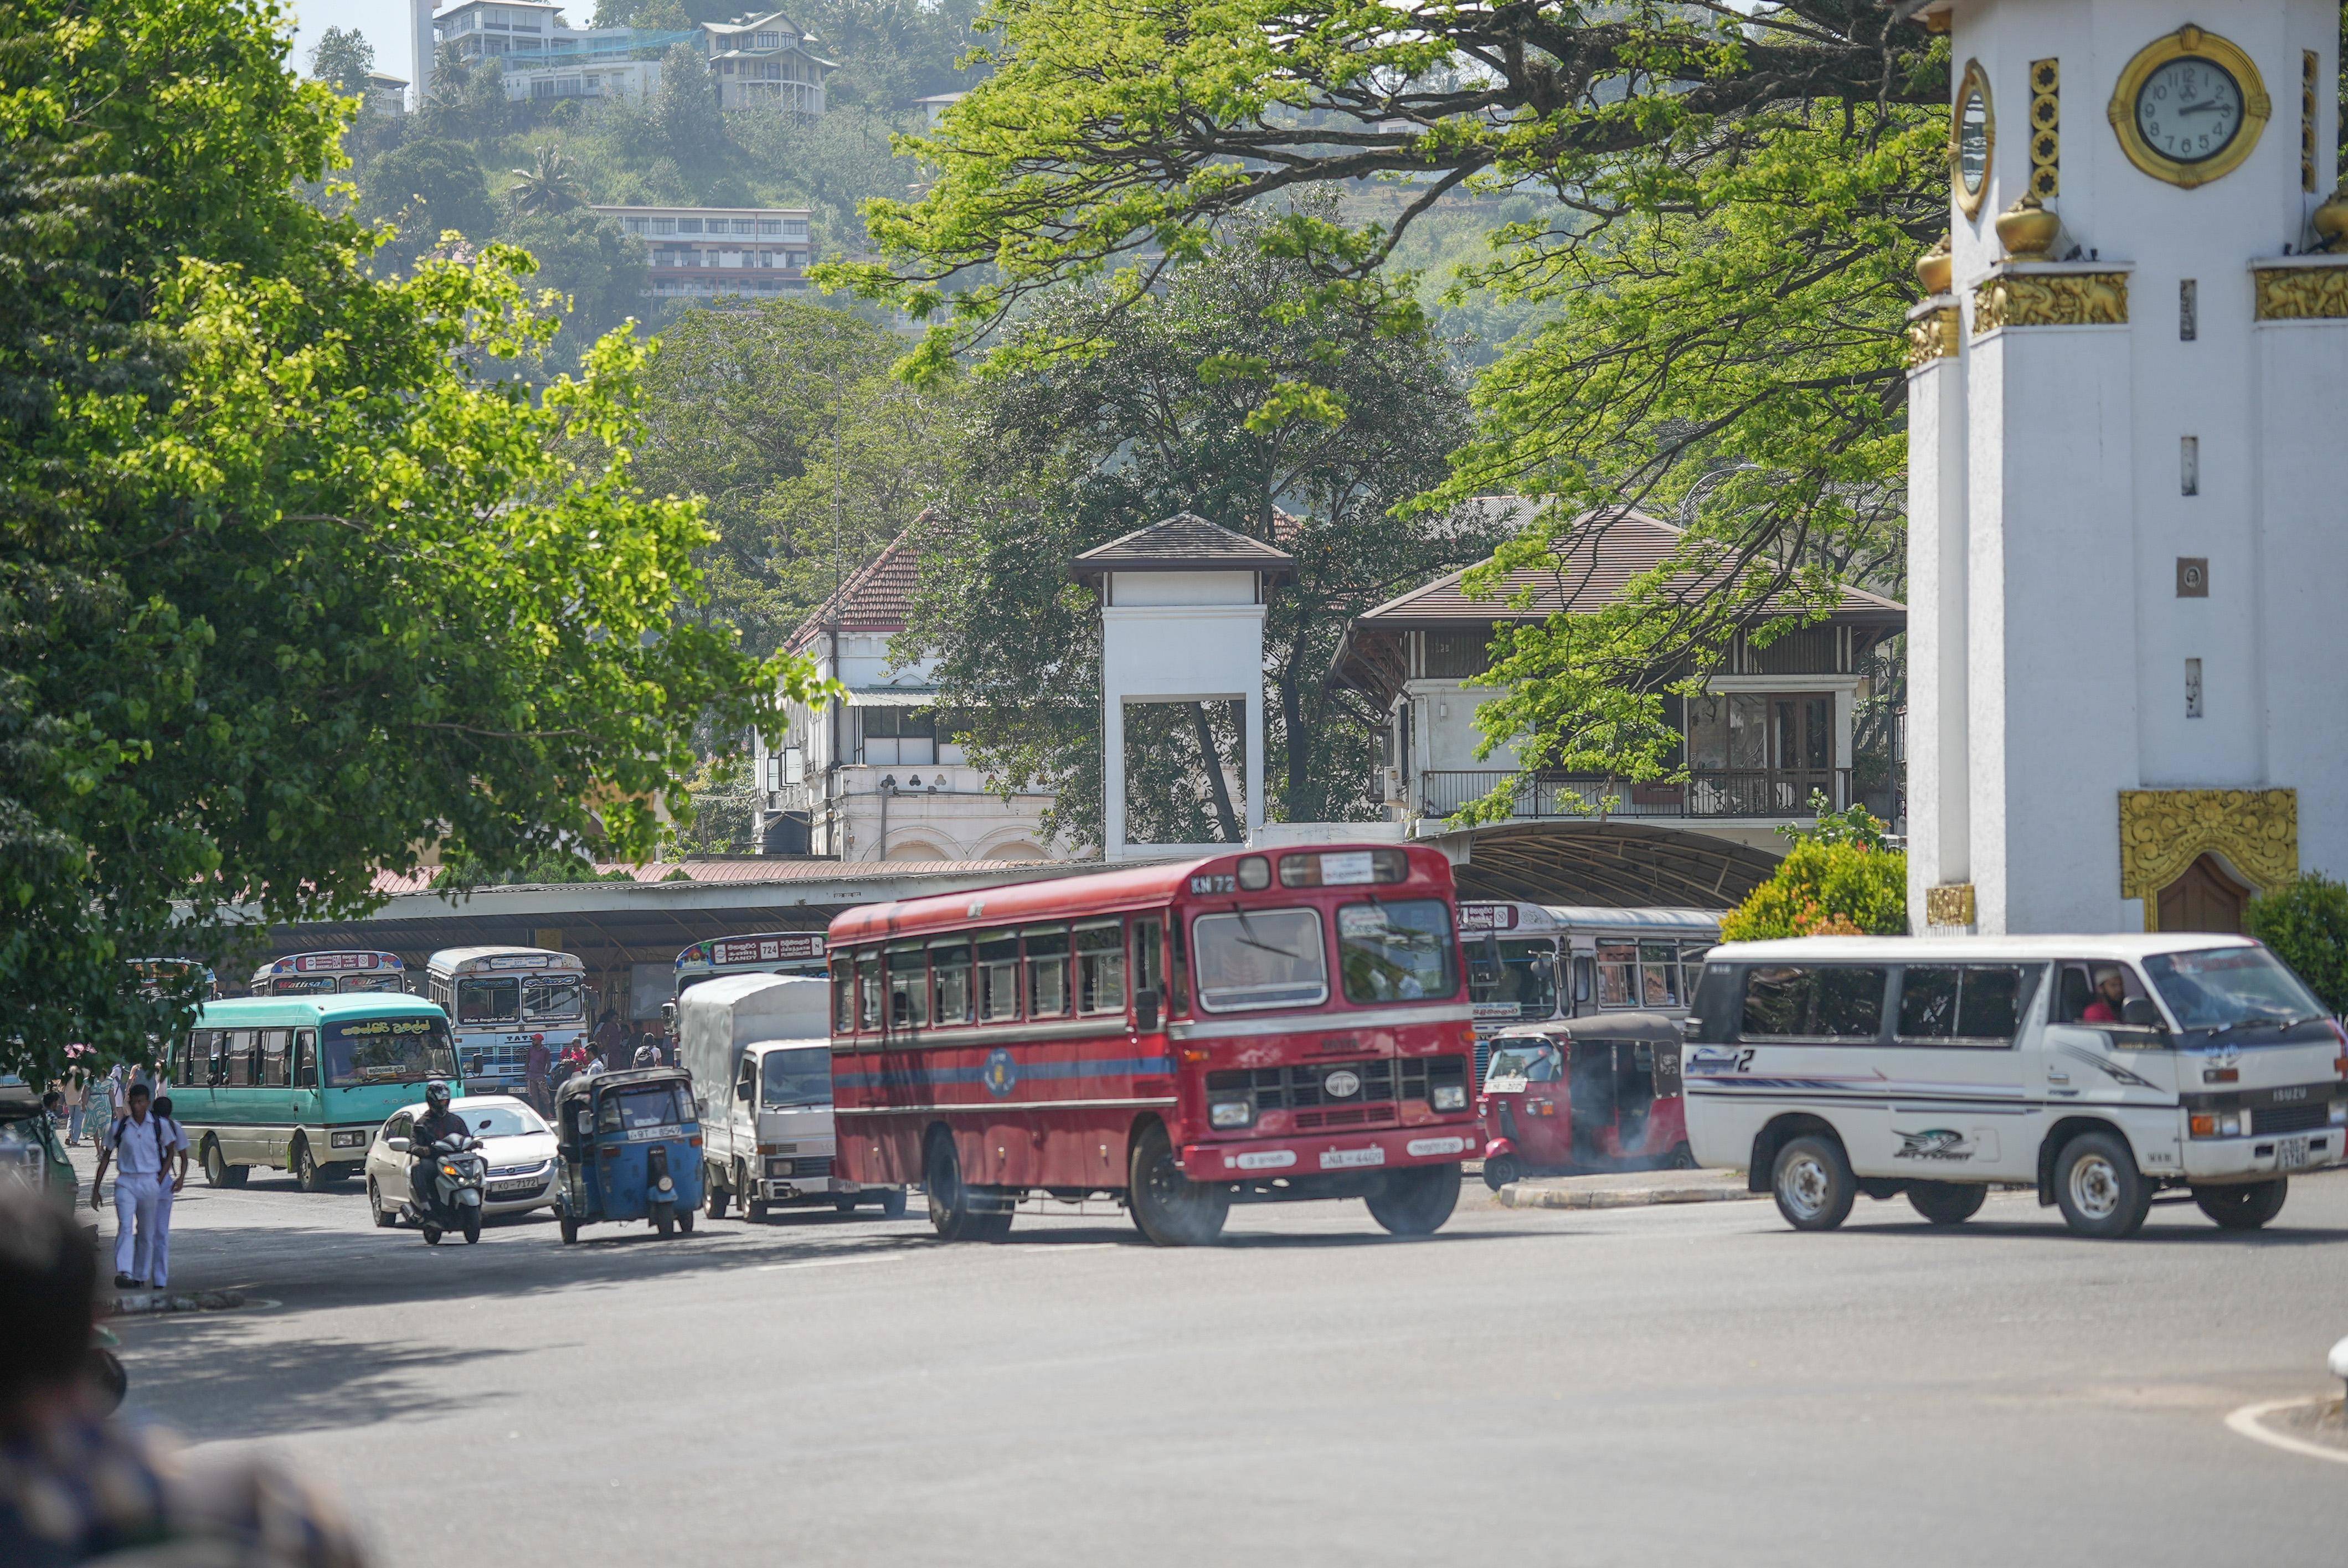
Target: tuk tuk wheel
[570, 1229]
[684, 1219]
[666, 1220]
[892, 1204]
[1501, 1170]
[1681, 1158]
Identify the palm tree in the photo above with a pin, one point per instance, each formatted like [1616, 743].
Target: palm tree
[550, 185]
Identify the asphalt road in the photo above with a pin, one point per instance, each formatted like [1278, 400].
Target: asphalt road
[1698, 1386]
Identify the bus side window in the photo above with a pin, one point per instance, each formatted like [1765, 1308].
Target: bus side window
[998, 976]
[843, 996]
[1100, 966]
[305, 1059]
[1175, 969]
[949, 1001]
[1047, 970]
[1150, 958]
[1584, 968]
[240, 1074]
[868, 991]
[909, 986]
[276, 1045]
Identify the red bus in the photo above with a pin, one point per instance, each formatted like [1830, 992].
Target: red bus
[1252, 1026]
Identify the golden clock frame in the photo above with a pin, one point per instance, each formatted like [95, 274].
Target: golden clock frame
[1975, 79]
[2190, 42]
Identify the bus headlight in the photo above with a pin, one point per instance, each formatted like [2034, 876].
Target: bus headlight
[1449, 1097]
[1231, 1113]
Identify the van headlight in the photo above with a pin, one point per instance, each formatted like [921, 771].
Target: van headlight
[1449, 1097]
[1231, 1113]
[2217, 1125]
[356, 1139]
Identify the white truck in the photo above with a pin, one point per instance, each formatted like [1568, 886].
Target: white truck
[759, 1050]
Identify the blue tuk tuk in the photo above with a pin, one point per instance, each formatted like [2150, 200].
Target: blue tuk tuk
[630, 1150]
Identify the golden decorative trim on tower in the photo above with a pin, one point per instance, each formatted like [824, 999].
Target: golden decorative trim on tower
[1932, 334]
[2308, 67]
[2045, 129]
[2302, 293]
[2049, 299]
[1949, 904]
[2163, 831]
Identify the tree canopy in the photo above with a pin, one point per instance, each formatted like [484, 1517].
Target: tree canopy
[296, 574]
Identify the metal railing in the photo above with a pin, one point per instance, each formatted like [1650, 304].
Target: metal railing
[1763, 793]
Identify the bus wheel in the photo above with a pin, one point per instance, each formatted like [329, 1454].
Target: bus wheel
[2246, 1207]
[1813, 1183]
[1501, 1170]
[950, 1214]
[1417, 1201]
[308, 1175]
[1168, 1206]
[1948, 1203]
[218, 1171]
[2103, 1194]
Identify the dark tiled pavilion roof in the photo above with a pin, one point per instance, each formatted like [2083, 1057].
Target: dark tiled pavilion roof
[1183, 542]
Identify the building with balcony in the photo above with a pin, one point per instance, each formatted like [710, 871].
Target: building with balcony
[1784, 722]
[713, 251]
[876, 775]
[765, 62]
[386, 94]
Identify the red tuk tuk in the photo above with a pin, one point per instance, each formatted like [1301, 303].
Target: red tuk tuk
[1572, 1096]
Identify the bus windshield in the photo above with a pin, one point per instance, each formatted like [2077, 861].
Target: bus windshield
[554, 998]
[489, 1001]
[364, 1050]
[1398, 952]
[1519, 974]
[2230, 988]
[799, 1077]
[1259, 958]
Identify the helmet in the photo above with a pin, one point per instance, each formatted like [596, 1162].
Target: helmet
[436, 1095]
[646, 1056]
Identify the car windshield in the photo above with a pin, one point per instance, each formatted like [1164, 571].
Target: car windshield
[2226, 987]
[408, 1050]
[501, 1121]
[1533, 1063]
[797, 1077]
[1399, 952]
[489, 1001]
[554, 998]
[1522, 974]
[1259, 958]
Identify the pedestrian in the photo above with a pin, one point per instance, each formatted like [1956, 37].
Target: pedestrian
[76, 1103]
[611, 1041]
[535, 1067]
[134, 1148]
[77, 1486]
[175, 1144]
[99, 1118]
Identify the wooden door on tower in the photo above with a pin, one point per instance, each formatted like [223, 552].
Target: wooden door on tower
[2205, 898]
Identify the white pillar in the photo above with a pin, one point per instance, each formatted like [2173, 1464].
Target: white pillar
[420, 20]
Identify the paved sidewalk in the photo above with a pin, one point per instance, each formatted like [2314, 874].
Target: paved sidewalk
[1627, 1189]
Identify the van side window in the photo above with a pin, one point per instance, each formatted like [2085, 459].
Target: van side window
[305, 1059]
[1971, 1004]
[2083, 992]
[998, 976]
[1805, 1002]
[241, 1064]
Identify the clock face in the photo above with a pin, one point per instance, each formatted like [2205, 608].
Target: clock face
[2189, 109]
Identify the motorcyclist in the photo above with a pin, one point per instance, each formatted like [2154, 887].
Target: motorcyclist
[438, 1122]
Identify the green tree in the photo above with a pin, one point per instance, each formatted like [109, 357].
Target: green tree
[294, 573]
[342, 59]
[550, 183]
[1825, 888]
[1235, 395]
[685, 108]
[422, 189]
[599, 271]
[1735, 196]
[2306, 924]
[809, 455]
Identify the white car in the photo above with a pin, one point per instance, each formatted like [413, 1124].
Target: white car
[517, 1145]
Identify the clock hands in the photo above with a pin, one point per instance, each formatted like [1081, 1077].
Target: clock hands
[2202, 107]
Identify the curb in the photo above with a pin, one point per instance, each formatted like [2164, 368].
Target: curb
[1517, 1195]
[146, 1302]
[2250, 1422]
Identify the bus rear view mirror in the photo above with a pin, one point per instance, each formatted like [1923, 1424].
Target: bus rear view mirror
[1145, 1010]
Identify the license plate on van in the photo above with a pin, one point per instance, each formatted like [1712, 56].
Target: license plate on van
[2291, 1154]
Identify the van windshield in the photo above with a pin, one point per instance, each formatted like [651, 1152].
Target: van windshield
[798, 1077]
[2235, 988]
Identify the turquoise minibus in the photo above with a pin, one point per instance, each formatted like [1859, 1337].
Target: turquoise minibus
[301, 1084]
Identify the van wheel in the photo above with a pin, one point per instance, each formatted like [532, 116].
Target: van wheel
[1501, 1170]
[2103, 1194]
[1813, 1183]
[218, 1171]
[952, 1215]
[1416, 1203]
[2245, 1207]
[1948, 1203]
[715, 1200]
[1168, 1206]
[375, 1206]
[754, 1208]
[892, 1204]
[308, 1175]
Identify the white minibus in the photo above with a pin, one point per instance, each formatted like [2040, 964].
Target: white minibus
[2106, 1072]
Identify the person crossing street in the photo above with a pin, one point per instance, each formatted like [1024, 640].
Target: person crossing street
[174, 1178]
[134, 1146]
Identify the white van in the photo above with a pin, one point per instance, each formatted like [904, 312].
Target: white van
[2099, 1070]
[759, 1049]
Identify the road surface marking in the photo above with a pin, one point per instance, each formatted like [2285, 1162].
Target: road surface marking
[832, 1262]
[2246, 1421]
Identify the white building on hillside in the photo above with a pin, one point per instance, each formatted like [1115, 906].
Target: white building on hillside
[760, 62]
[872, 777]
[711, 251]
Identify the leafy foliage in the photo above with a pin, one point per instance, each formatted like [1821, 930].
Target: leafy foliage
[425, 188]
[550, 183]
[294, 574]
[2306, 924]
[1825, 888]
[342, 59]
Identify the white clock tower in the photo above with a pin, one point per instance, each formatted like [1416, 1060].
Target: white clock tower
[2128, 444]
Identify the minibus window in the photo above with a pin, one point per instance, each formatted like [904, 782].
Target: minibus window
[239, 1058]
[908, 986]
[1100, 966]
[1047, 970]
[998, 976]
[1976, 1004]
[1802, 1001]
[950, 980]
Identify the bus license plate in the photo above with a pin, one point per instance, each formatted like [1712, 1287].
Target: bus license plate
[1344, 1158]
[2291, 1154]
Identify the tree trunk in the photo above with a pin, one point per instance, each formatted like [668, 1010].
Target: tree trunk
[1297, 803]
[1224, 816]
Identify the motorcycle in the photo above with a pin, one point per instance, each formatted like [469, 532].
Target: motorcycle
[459, 1171]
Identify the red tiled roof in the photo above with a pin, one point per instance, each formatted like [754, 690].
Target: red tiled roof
[737, 870]
[1595, 563]
[875, 600]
